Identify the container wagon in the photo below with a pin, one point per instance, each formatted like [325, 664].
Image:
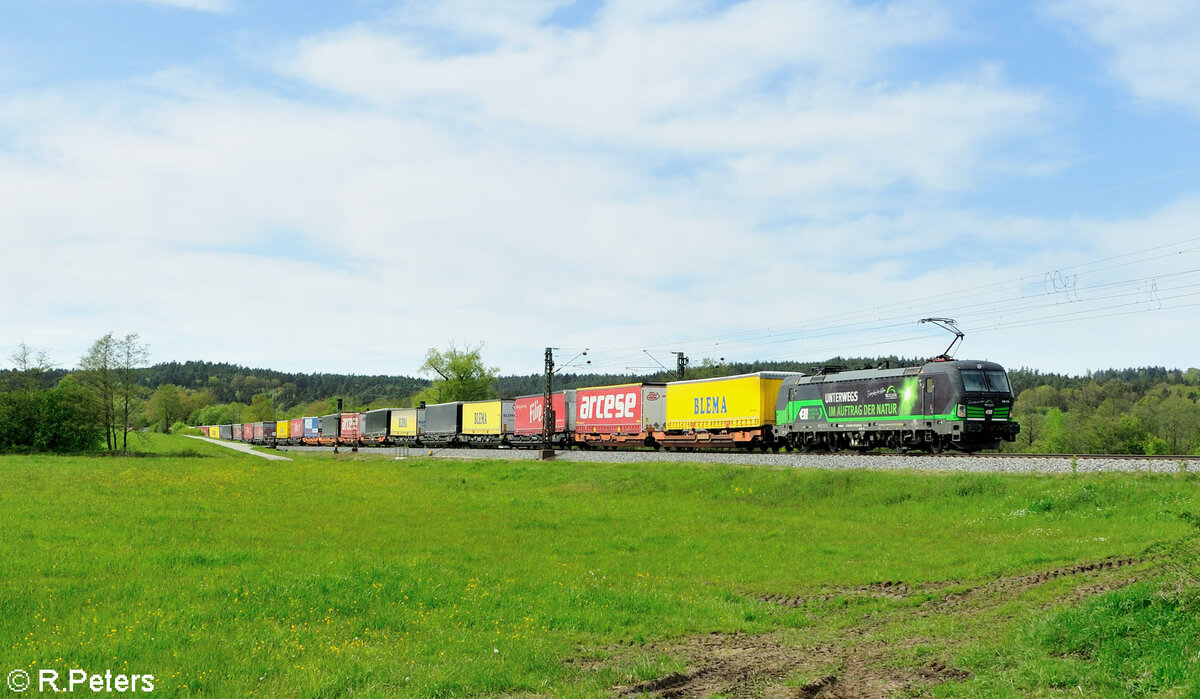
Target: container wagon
[348, 428]
[530, 418]
[443, 424]
[626, 415]
[488, 423]
[375, 426]
[730, 411]
[330, 429]
[310, 430]
[405, 426]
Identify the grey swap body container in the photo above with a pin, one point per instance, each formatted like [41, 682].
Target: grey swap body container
[331, 425]
[443, 420]
[375, 426]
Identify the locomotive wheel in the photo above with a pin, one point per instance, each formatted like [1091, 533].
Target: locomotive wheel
[935, 447]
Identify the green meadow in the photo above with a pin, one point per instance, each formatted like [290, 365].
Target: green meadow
[227, 575]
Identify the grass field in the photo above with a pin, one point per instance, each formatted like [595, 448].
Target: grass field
[227, 575]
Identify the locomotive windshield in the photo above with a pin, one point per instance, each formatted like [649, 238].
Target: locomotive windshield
[990, 381]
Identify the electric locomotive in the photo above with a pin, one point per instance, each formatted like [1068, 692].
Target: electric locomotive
[957, 404]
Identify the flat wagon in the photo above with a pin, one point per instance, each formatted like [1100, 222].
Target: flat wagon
[443, 424]
[310, 430]
[405, 425]
[488, 422]
[375, 426]
[349, 426]
[626, 415]
[529, 415]
[730, 411]
[331, 429]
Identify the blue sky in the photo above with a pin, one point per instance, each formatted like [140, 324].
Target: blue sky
[764, 179]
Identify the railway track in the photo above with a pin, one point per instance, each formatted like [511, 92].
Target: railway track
[994, 462]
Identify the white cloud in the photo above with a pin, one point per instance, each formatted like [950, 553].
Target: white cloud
[668, 172]
[769, 97]
[1154, 44]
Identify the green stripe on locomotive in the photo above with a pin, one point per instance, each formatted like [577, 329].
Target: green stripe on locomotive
[790, 414]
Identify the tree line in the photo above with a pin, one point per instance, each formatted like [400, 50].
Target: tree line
[1147, 410]
[1135, 411]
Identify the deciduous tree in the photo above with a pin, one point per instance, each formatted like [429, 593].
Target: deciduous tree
[166, 406]
[109, 372]
[262, 407]
[461, 375]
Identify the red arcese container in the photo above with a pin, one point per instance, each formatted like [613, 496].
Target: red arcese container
[349, 428]
[628, 409]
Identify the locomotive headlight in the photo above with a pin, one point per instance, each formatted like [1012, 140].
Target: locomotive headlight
[961, 411]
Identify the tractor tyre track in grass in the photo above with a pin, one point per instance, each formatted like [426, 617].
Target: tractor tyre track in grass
[856, 663]
[744, 665]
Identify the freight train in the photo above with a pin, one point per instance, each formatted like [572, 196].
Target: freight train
[942, 404]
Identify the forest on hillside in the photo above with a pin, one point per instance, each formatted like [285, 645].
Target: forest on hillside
[1145, 410]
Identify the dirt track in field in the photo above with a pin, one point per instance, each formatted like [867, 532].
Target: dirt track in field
[741, 665]
[856, 664]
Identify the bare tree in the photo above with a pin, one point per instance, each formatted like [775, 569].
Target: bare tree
[31, 365]
[131, 356]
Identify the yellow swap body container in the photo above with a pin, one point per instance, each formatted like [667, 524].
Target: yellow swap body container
[489, 417]
[730, 402]
[403, 423]
[283, 429]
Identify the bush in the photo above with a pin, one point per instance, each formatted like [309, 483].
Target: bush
[1156, 446]
[62, 419]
